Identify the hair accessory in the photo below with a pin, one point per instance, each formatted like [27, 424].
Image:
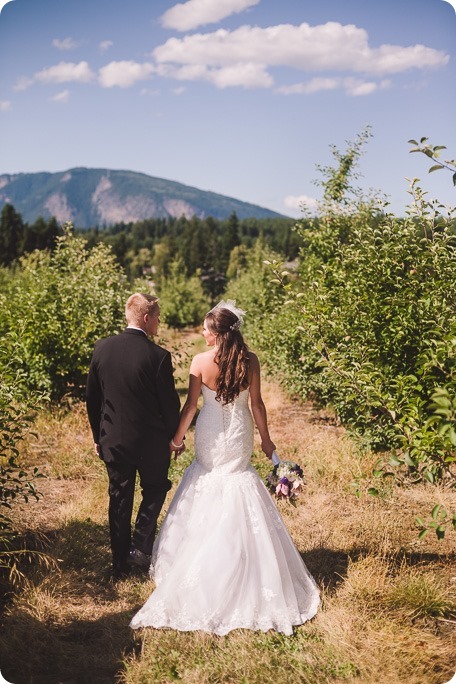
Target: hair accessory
[230, 304]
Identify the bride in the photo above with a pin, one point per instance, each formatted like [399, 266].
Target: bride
[223, 558]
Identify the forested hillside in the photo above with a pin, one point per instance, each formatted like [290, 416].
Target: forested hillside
[103, 197]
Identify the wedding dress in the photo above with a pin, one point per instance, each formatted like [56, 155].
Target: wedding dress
[223, 558]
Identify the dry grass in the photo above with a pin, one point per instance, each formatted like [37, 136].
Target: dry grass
[388, 599]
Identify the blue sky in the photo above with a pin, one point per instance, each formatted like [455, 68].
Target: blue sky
[240, 97]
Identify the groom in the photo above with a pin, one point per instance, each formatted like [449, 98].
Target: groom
[133, 410]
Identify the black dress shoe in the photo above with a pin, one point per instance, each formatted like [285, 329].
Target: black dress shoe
[139, 559]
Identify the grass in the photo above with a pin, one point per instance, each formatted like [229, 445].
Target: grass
[388, 598]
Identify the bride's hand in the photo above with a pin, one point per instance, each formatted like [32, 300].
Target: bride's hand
[177, 449]
[268, 447]
[180, 451]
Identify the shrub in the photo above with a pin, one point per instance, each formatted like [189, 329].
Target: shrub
[64, 301]
[376, 298]
[182, 299]
[368, 324]
[16, 484]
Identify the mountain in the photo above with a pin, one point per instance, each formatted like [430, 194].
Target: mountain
[98, 197]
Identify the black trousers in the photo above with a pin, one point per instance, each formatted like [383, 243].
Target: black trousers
[122, 481]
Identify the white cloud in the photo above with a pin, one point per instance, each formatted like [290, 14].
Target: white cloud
[352, 86]
[105, 45]
[5, 105]
[64, 72]
[124, 74]
[327, 47]
[312, 86]
[23, 83]
[179, 91]
[391, 59]
[356, 87]
[189, 15]
[63, 97]
[300, 203]
[244, 75]
[65, 43]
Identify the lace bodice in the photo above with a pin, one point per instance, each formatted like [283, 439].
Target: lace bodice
[224, 433]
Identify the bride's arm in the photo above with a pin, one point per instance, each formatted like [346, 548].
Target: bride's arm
[191, 403]
[258, 407]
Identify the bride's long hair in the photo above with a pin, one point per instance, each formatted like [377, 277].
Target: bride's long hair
[232, 355]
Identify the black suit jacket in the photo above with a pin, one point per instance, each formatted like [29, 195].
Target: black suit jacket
[132, 403]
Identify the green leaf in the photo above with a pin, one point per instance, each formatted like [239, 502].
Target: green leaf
[422, 534]
[454, 179]
[395, 461]
[372, 491]
[435, 511]
[409, 461]
[452, 436]
[436, 167]
[440, 532]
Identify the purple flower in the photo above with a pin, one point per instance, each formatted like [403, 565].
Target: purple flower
[283, 487]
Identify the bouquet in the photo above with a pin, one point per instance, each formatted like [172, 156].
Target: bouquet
[286, 480]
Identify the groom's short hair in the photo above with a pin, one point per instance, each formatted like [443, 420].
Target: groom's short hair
[138, 305]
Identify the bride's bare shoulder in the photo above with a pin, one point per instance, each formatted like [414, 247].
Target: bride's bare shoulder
[253, 359]
[203, 358]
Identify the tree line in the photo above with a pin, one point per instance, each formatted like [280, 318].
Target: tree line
[18, 238]
[150, 247]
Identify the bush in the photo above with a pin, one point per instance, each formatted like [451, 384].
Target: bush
[64, 302]
[367, 324]
[16, 484]
[252, 291]
[378, 322]
[182, 299]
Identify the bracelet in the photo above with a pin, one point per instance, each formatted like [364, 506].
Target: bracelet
[177, 446]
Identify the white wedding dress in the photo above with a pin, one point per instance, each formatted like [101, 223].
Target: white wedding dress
[223, 558]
